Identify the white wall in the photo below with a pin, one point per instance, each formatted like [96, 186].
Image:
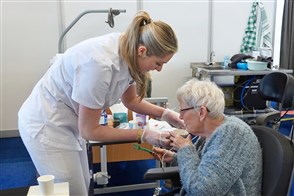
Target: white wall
[230, 21]
[93, 24]
[190, 22]
[278, 32]
[30, 32]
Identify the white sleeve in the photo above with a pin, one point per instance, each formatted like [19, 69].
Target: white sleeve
[91, 83]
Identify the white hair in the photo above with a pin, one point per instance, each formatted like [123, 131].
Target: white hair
[206, 93]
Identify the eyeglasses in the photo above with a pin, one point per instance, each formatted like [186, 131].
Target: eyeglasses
[190, 108]
[181, 111]
[185, 109]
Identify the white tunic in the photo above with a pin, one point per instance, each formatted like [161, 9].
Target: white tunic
[91, 74]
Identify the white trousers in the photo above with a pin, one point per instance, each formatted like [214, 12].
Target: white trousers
[65, 165]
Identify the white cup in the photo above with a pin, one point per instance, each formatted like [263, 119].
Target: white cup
[46, 184]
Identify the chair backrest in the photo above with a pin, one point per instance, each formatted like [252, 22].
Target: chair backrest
[278, 87]
[277, 161]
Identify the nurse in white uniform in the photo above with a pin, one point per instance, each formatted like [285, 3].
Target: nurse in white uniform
[64, 107]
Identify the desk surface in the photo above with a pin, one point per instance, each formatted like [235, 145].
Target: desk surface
[99, 143]
[214, 71]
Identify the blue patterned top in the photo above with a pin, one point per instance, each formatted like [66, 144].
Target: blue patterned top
[228, 163]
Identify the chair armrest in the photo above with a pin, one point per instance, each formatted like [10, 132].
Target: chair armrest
[263, 119]
[162, 173]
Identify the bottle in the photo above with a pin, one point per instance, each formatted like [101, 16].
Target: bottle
[226, 61]
[103, 118]
[110, 120]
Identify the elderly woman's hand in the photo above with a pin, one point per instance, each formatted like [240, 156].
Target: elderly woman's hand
[178, 141]
[163, 154]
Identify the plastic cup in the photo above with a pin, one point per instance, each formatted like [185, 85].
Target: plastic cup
[46, 184]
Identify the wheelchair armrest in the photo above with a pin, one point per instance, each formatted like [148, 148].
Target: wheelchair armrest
[162, 173]
[263, 119]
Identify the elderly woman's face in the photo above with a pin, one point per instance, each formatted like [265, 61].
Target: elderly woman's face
[191, 117]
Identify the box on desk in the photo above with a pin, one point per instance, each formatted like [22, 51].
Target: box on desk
[246, 92]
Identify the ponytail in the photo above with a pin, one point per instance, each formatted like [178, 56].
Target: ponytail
[158, 37]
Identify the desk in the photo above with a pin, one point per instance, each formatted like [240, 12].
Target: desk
[220, 71]
[232, 81]
[120, 152]
[104, 152]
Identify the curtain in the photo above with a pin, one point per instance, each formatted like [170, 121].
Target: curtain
[287, 36]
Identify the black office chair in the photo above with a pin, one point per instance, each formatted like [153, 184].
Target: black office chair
[278, 158]
[164, 173]
[277, 87]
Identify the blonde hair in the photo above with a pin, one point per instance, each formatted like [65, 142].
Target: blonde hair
[157, 36]
[206, 93]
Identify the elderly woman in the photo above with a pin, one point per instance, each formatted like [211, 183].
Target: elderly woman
[226, 159]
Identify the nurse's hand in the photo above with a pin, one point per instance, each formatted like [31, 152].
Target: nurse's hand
[173, 118]
[156, 138]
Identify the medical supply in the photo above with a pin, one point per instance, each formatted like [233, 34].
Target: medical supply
[116, 123]
[119, 111]
[139, 135]
[131, 124]
[140, 120]
[159, 125]
[226, 61]
[138, 147]
[110, 120]
[103, 118]
[121, 116]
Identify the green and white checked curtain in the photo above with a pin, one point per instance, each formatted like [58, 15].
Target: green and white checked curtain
[257, 32]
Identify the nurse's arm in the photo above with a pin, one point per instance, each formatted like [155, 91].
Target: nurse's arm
[91, 130]
[132, 102]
